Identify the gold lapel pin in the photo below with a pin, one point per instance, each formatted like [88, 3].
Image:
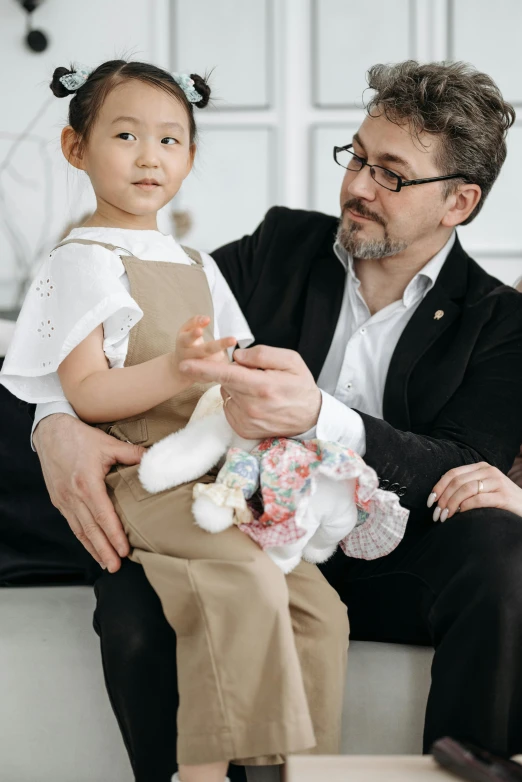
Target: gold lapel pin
[438, 315]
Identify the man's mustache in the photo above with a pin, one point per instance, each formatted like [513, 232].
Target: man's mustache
[357, 206]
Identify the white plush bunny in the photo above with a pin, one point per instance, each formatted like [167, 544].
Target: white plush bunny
[330, 514]
[190, 453]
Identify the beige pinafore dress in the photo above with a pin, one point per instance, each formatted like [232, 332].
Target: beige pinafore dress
[261, 657]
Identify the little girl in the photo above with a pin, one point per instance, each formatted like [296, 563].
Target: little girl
[111, 314]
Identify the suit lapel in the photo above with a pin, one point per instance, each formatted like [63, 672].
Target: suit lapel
[322, 307]
[437, 311]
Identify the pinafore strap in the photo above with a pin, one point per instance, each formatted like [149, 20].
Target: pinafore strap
[169, 294]
[194, 255]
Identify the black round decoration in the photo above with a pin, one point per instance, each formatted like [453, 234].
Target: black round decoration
[37, 41]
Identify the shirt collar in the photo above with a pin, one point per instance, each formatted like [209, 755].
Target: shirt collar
[423, 281]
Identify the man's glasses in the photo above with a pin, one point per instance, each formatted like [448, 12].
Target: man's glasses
[345, 157]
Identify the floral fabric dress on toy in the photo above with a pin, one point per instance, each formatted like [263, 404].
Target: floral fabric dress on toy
[283, 473]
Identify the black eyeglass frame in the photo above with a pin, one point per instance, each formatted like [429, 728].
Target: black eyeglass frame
[400, 181]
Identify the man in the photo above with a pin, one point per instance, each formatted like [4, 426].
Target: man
[388, 338]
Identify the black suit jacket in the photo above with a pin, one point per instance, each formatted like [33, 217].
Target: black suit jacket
[453, 392]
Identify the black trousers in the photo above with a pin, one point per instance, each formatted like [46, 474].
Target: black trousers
[456, 586]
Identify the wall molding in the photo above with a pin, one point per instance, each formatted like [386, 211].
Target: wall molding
[269, 59]
[314, 55]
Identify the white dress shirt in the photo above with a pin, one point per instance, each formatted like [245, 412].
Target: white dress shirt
[354, 373]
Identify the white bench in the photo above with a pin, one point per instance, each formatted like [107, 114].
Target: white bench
[56, 724]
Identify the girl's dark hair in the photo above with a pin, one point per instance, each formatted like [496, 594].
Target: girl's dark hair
[88, 99]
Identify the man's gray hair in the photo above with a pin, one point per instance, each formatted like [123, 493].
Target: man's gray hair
[454, 101]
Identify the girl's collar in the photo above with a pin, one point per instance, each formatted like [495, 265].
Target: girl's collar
[139, 231]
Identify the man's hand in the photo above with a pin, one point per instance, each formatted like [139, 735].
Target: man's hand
[283, 400]
[75, 459]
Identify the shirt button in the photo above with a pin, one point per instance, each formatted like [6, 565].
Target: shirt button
[349, 386]
[363, 331]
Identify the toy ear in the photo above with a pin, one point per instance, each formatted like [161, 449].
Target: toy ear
[210, 403]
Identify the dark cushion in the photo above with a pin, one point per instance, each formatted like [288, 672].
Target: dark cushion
[36, 543]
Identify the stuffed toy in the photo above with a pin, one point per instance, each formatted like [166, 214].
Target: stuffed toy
[296, 499]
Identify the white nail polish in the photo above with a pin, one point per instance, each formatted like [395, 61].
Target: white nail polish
[444, 515]
[436, 513]
[431, 499]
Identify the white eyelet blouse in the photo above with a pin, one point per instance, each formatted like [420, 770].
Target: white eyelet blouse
[77, 288]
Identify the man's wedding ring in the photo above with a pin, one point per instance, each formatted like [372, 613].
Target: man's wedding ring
[227, 400]
[480, 487]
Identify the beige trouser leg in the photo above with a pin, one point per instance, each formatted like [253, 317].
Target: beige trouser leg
[240, 684]
[320, 625]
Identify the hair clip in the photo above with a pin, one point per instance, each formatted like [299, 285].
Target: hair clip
[187, 85]
[73, 81]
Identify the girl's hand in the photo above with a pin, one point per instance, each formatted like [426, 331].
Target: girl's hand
[191, 345]
[270, 391]
[474, 486]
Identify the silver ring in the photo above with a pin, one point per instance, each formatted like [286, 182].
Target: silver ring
[480, 487]
[227, 400]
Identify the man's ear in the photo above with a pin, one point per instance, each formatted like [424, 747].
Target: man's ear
[461, 203]
[71, 148]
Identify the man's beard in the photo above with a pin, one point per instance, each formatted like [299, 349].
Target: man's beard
[366, 248]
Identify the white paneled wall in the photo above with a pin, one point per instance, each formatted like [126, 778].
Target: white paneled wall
[42, 193]
[288, 80]
[233, 38]
[498, 226]
[488, 35]
[231, 185]
[237, 175]
[347, 37]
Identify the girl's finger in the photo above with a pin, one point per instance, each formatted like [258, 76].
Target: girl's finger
[187, 338]
[198, 321]
[190, 334]
[214, 346]
[235, 378]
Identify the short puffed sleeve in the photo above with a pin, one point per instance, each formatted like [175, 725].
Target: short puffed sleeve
[77, 288]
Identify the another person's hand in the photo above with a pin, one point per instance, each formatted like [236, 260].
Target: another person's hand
[515, 472]
[75, 459]
[191, 345]
[474, 486]
[282, 400]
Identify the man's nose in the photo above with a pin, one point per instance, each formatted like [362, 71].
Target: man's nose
[360, 184]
